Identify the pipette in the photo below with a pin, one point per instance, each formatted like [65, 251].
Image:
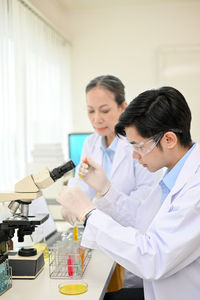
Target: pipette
[75, 234]
[86, 162]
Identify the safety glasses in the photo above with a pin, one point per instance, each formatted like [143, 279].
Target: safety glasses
[143, 148]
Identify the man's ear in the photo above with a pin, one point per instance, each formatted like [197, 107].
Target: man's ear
[124, 105]
[170, 139]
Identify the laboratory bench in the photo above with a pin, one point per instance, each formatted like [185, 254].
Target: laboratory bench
[97, 275]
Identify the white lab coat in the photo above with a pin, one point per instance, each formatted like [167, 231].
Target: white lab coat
[165, 247]
[127, 175]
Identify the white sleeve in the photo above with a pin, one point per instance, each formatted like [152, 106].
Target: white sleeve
[162, 250]
[123, 207]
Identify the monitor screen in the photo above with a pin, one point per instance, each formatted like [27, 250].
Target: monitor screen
[75, 144]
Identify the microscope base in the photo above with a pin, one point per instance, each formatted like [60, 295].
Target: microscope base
[25, 267]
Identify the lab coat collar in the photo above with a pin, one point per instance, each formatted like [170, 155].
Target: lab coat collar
[169, 179]
[112, 146]
[120, 155]
[188, 170]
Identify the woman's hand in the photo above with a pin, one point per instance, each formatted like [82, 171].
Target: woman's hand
[93, 174]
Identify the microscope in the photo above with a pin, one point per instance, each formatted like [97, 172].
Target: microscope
[26, 263]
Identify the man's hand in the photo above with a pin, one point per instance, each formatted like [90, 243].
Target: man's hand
[75, 204]
[93, 174]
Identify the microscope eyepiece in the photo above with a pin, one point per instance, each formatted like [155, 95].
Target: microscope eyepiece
[60, 171]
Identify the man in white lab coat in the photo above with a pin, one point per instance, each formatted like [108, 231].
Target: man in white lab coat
[163, 244]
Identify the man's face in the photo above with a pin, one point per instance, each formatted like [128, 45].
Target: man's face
[145, 150]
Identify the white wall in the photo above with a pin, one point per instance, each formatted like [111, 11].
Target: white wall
[123, 41]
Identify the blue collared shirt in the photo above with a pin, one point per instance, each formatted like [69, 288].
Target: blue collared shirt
[108, 155]
[170, 177]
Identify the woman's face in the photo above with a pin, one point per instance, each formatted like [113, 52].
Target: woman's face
[103, 111]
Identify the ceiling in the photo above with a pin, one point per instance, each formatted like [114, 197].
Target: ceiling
[79, 4]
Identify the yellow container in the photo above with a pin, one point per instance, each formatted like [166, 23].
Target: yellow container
[73, 287]
[42, 247]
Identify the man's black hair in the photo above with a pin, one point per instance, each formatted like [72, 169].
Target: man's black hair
[158, 110]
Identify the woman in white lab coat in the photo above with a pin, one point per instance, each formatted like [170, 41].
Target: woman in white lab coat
[163, 244]
[105, 97]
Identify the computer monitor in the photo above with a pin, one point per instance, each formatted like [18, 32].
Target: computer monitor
[75, 145]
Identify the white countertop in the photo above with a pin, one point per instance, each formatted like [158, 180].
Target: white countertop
[97, 275]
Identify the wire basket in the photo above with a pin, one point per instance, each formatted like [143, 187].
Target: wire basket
[68, 260]
[5, 277]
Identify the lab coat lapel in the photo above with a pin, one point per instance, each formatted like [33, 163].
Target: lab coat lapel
[120, 154]
[188, 170]
[98, 155]
[190, 167]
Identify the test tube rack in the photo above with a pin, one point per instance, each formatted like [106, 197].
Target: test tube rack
[68, 260]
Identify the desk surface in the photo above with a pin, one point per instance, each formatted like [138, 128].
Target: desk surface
[97, 275]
